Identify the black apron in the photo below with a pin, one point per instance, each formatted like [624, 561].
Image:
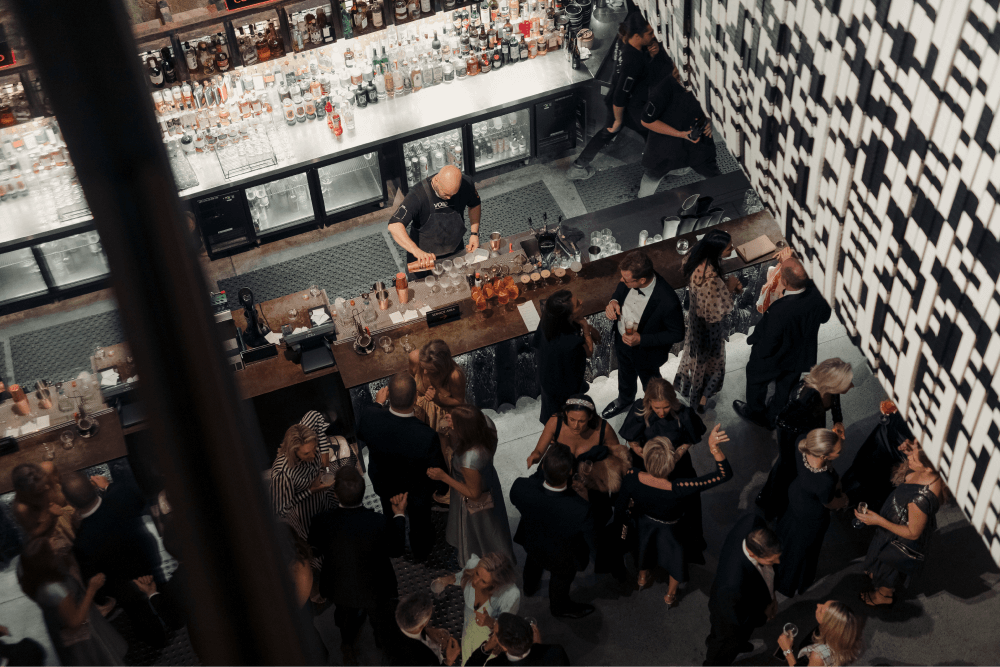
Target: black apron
[443, 231]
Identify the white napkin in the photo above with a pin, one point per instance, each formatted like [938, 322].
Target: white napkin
[12, 433]
[273, 338]
[30, 427]
[299, 330]
[395, 317]
[410, 315]
[318, 317]
[423, 311]
[109, 378]
[529, 314]
[42, 422]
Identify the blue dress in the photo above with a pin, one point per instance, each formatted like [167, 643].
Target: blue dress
[487, 530]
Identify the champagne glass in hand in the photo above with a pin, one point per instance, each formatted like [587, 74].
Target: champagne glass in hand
[863, 509]
[791, 630]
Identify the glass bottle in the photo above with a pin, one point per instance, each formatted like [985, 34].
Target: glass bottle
[361, 16]
[397, 79]
[542, 43]
[447, 71]
[472, 64]
[190, 57]
[485, 61]
[325, 29]
[375, 7]
[154, 71]
[497, 58]
[315, 34]
[167, 62]
[275, 44]
[400, 7]
[347, 113]
[260, 44]
[416, 75]
[222, 54]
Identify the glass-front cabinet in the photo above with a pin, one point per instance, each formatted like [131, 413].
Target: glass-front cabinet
[20, 277]
[280, 204]
[501, 139]
[74, 259]
[351, 183]
[426, 156]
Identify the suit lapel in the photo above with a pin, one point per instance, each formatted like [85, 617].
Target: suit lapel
[654, 301]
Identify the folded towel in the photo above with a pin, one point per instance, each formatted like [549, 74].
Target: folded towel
[752, 250]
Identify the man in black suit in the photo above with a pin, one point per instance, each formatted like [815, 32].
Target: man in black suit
[515, 641]
[113, 539]
[783, 345]
[743, 591]
[556, 530]
[356, 544]
[648, 302]
[400, 447]
[417, 642]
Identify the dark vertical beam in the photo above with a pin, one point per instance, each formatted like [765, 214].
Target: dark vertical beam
[240, 599]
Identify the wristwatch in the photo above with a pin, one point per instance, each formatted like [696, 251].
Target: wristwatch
[787, 651]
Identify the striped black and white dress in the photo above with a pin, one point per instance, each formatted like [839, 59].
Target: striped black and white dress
[290, 495]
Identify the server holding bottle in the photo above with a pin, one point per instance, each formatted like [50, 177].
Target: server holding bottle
[434, 211]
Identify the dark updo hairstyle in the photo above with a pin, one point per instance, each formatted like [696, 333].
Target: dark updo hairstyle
[557, 315]
[593, 419]
[709, 248]
[634, 24]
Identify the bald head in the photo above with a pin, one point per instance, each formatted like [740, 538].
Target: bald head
[447, 181]
[793, 274]
[78, 490]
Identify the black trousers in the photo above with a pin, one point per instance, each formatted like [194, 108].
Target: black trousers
[561, 576]
[350, 620]
[773, 498]
[628, 370]
[24, 652]
[669, 153]
[757, 395]
[600, 140]
[145, 620]
[723, 647]
[418, 523]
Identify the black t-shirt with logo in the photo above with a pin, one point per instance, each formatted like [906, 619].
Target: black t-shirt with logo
[672, 104]
[417, 208]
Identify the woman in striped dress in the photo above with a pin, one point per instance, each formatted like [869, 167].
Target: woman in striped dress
[298, 489]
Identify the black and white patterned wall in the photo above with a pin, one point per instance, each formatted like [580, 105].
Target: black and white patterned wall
[868, 130]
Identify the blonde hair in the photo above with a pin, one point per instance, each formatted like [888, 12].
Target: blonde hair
[501, 570]
[819, 442]
[658, 389]
[831, 376]
[841, 630]
[661, 456]
[296, 436]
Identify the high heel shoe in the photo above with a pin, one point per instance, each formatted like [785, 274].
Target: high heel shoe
[644, 581]
[670, 599]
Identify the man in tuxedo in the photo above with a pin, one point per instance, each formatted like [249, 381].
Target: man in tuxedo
[113, 539]
[743, 591]
[400, 447]
[515, 641]
[357, 544]
[783, 345]
[556, 530]
[417, 642]
[646, 300]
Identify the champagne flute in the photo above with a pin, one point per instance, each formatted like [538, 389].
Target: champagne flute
[790, 630]
[863, 509]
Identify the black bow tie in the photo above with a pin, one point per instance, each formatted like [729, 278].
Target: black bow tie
[641, 293]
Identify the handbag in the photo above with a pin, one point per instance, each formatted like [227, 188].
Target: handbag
[484, 502]
[901, 557]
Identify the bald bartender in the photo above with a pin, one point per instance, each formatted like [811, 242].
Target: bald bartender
[434, 211]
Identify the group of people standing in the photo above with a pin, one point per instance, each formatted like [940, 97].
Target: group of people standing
[648, 95]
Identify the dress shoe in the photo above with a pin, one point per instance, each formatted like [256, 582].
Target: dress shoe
[578, 610]
[743, 410]
[616, 407]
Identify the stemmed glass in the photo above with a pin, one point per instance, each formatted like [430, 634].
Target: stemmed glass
[791, 630]
[432, 283]
[862, 509]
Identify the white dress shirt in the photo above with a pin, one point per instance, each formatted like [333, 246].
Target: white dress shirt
[635, 305]
[766, 571]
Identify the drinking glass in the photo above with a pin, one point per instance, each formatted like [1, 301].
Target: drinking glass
[459, 262]
[386, 344]
[791, 630]
[67, 438]
[606, 233]
[432, 283]
[438, 268]
[683, 245]
[643, 235]
[863, 509]
[481, 303]
[407, 345]
[292, 313]
[595, 238]
[48, 452]
[503, 296]
[314, 291]
[657, 238]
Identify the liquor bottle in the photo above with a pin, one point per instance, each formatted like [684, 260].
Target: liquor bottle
[333, 120]
[465, 43]
[485, 61]
[312, 27]
[497, 58]
[221, 54]
[491, 37]
[436, 43]
[553, 40]
[416, 75]
[375, 8]
[347, 113]
[360, 16]
[260, 45]
[400, 7]
[206, 58]
[397, 79]
[154, 71]
[345, 20]
[542, 41]
[472, 64]
[413, 9]
[574, 52]
[473, 13]
[447, 71]
[275, 44]
[494, 10]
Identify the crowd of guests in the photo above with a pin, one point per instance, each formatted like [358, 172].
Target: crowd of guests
[591, 494]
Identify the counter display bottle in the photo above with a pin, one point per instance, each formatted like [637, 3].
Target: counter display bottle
[190, 57]
[167, 61]
[472, 64]
[413, 9]
[361, 16]
[221, 54]
[425, 6]
[375, 8]
[154, 72]
[400, 10]
[333, 120]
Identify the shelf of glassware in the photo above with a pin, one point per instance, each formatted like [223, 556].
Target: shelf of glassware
[351, 183]
[75, 259]
[426, 156]
[20, 276]
[280, 204]
[502, 139]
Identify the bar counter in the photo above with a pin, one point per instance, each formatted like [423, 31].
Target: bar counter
[594, 285]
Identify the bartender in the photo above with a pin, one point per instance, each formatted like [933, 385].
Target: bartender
[434, 210]
[672, 115]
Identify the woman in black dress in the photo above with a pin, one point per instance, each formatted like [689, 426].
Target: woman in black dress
[810, 498]
[806, 409]
[659, 503]
[903, 527]
[601, 462]
[564, 341]
[660, 413]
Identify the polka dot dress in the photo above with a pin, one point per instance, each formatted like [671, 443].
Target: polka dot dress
[703, 360]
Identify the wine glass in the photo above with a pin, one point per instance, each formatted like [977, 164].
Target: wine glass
[386, 344]
[863, 509]
[791, 630]
[448, 266]
[438, 269]
[432, 283]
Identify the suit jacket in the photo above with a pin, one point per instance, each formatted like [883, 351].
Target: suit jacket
[556, 526]
[114, 539]
[408, 651]
[661, 324]
[540, 654]
[356, 544]
[739, 593]
[401, 449]
[785, 339]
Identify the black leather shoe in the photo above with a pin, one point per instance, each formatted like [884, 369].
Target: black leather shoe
[743, 410]
[615, 408]
[576, 611]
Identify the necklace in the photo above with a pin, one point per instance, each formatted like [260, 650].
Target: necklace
[805, 460]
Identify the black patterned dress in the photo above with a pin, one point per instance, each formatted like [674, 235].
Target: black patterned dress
[880, 557]
[703, 360]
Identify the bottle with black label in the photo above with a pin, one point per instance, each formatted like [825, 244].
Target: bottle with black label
[169, 70]
[154, 71]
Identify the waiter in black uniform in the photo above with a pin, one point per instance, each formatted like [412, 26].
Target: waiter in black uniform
[434, 211]
[638, 62]
[672, 115]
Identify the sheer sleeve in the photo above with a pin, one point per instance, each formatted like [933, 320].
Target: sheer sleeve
[711, 298]
[723, 473]
[838, 415]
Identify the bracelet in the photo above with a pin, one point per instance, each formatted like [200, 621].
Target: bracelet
[787, 651]
[471, 233]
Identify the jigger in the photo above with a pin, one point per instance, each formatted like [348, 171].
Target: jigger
[383, 299]
[495, 239]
